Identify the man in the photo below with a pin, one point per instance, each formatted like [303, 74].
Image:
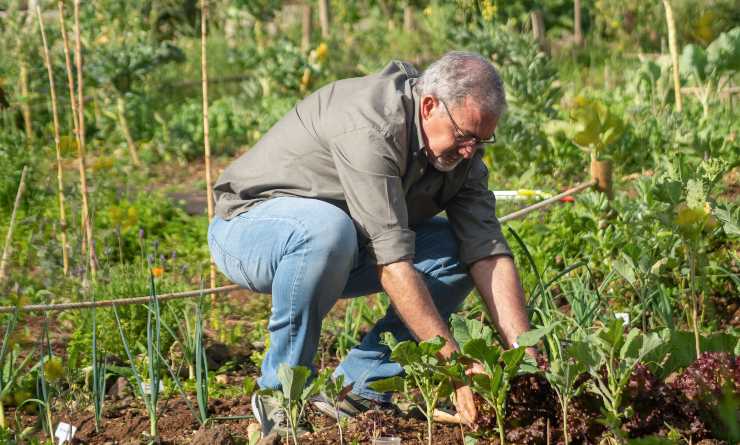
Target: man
[339, 199]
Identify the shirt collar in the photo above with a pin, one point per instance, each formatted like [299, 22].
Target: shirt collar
[419, 145]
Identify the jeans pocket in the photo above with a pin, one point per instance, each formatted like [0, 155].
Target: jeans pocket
[229, 265]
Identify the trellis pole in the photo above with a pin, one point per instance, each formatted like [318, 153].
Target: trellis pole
[57, 143]
[11, 225]
[206, 142]
[673, 46]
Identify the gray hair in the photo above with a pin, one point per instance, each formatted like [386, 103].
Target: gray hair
[460, 74]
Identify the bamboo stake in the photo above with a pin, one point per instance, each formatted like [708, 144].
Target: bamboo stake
[57, 140]
[59, 307]
[577, 30]
[123, 122]
[325, 18]
[81, 144]
[673, 46]
[306, 23]
[68, 64]
[11, 226]
[25, 107]
[206, 142]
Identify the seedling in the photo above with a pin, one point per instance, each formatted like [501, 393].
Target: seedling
[500, 368]
[335, 390]
[296, 391]
[425, 371]
[616, 353]
[153, 329]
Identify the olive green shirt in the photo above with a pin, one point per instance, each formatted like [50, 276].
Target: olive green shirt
[357, 143]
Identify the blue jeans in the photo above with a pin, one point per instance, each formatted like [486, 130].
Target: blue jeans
[305, 253]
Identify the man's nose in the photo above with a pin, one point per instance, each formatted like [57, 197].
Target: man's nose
[467, 151]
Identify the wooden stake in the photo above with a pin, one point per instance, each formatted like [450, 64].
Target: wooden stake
[673, 46]
[11, 226]
[409, 24]
[307, 28]
[538, 29]
[325, 18]
[206, 142]
[601, 172]
[78, 120]
[57, 143]
[123, 122]
[25, 106]
[577, 30]
[68, 64]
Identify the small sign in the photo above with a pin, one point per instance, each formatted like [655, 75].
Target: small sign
[624, 316]
[146, 387]
[65, 432]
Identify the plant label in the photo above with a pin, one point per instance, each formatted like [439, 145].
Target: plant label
[146, 387]
[624, 316]
[65, 432]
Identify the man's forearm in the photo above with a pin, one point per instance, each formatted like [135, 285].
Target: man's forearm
[411, 300]
[498, 283]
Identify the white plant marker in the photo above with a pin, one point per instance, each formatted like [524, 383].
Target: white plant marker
[146, 387]
[624, 316]
[65, 432]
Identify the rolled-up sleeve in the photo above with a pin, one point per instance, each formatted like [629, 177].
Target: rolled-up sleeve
[472, 215]
[368, 164]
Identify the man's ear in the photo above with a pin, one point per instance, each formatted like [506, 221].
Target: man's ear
[428, 104]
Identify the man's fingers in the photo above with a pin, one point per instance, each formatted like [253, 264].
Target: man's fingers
[465, 404]
[476, 368]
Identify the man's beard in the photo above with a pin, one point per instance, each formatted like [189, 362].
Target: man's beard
[441, 163]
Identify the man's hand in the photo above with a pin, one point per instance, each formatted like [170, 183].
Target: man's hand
[465, 404]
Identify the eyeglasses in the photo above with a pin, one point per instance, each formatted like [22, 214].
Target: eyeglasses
[463, 138]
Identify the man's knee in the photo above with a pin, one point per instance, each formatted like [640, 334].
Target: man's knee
[332, 235]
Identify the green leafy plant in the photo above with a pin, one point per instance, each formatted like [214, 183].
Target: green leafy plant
[493, 386]
[11, 366]
[591, 125]
[713, 67]
[425, 371]
[336, 391]
[610, 355]
[153, 349]
[295, 392]
[562, 373]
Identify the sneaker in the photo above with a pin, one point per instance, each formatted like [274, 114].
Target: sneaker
[271, 416]
[351, 406]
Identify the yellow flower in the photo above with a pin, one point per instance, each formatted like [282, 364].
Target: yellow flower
[321, 52]
[488, 10]
[428, 11]
[305, 80]
[53, 369]
[687, 216]
[158, 271]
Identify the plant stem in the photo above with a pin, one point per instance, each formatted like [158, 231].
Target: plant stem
[694, 298]
[11, 226]
[564, 408]
[57, 143]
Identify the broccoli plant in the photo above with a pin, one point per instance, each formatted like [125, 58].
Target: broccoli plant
[501, 367]
[336, 391]
[425, 371]
[610, 355]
